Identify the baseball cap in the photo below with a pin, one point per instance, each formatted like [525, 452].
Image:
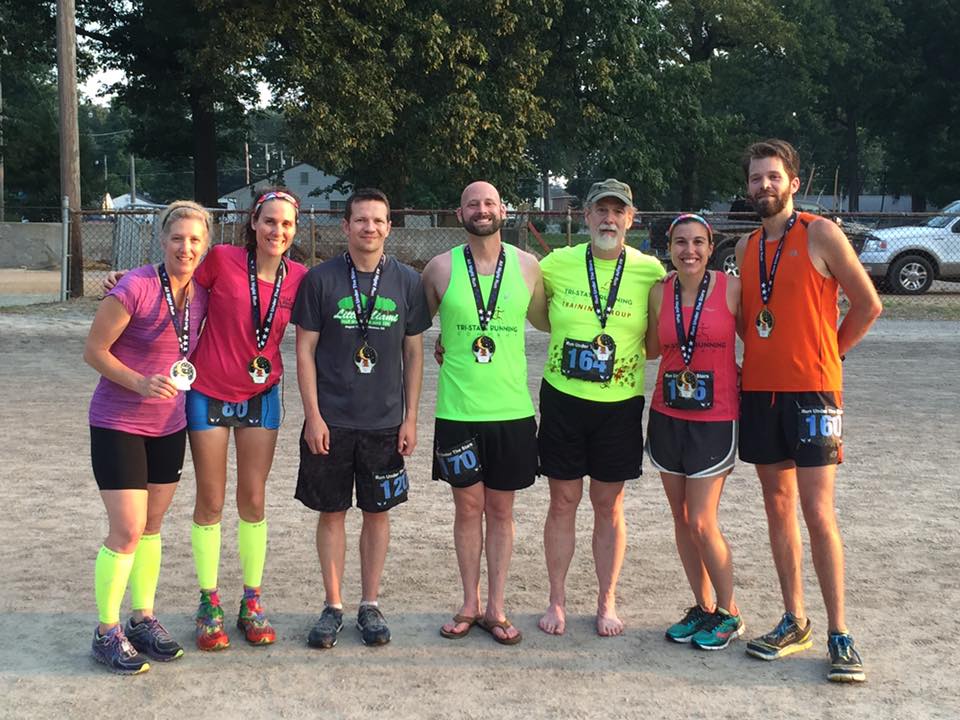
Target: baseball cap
[610, 187]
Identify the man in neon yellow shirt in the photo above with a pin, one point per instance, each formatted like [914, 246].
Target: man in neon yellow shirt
[591, 397]
[485, 435]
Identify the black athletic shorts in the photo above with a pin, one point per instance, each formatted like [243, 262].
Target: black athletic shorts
[806, 427]
[693, 448]
[367, 459]
[502, 454]
[584, 437]
[126, 461]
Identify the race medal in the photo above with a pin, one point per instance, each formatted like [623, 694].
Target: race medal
[484, 348]
[686, 383]
[365, 359]
[603, 347]
[764, 323]
[183, 373]
[259, 369]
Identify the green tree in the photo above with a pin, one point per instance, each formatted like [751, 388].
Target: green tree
[415, 97]
[190, 73]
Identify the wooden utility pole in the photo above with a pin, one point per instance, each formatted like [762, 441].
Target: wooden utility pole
[3, 196]
[70, 134]
[133, 181]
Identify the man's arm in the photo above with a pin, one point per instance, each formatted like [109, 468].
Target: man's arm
[412, 383]
[315, 430]
[832, 254]
[436, 278]
[533, 277]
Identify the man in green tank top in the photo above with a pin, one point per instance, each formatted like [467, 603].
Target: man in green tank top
[591, 397]
[485, 433]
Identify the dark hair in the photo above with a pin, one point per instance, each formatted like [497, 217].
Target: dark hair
[773, 147]
[361, 194]
[249, 234]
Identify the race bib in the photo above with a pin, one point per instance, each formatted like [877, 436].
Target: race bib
[246, 413]
[687, 390]
[579, 360]
[390, 487]
[821, 426]
[460, 465]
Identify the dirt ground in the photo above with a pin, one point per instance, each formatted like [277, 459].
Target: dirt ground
[899, 512]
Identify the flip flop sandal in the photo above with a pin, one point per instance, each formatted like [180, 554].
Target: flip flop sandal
[489, 625]
[458, 619]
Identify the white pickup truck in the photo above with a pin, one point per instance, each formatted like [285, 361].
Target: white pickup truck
[908, 259]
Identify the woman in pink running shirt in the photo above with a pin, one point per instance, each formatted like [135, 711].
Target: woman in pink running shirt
[239, 367]
[692, 432]
[141, 338]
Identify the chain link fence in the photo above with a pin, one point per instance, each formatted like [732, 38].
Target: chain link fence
[908, 254]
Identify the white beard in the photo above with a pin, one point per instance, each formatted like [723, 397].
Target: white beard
[605, 242]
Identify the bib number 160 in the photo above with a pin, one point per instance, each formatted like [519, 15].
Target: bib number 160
[821, 426]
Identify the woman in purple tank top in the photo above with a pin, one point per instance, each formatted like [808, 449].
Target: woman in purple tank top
[141, 338]
[692, 432]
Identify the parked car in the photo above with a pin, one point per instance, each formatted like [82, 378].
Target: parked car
[741, 219]
[907, 260]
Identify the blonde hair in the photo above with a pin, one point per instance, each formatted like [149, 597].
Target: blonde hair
[180, 209]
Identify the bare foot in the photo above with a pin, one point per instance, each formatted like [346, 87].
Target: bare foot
[554, 620]
[608, 624]
[458, 628]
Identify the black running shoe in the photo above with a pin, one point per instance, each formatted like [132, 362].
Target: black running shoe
[151, 638]
[372, 626]
[115, 651]
[785, 639]
[324, 632]
[845, 663]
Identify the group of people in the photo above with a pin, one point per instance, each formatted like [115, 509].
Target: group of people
[359, 321]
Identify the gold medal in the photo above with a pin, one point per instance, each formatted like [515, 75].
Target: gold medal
[183, 373]
[365, 359]
[765, 323]
[686, 383]
[603, 346]
[259, 369]
[484, 348]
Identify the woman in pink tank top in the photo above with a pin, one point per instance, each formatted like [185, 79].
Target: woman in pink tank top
[144, 331]
[692, 432]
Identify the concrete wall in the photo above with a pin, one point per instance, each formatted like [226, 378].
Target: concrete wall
[35, 246]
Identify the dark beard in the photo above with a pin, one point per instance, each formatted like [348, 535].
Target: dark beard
[495, 224]
[771, 205]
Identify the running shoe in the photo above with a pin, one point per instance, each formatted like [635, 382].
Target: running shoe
[150, 638]
[252, 620]
[692, 621]
[323, 634]
[785, 639]
[845, 663]
[115, 651]
[372, 626]
[718, 630]
[211, 634]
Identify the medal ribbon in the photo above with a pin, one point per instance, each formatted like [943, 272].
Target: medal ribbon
[262, 332]
[183, 333]
[364, 314]
[484, 315]
[766, 285]
[603, 312]
[687, 340]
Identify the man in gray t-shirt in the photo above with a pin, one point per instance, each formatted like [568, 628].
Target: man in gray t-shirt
[360, 318]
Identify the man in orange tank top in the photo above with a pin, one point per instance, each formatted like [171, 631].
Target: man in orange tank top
[791, 404]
